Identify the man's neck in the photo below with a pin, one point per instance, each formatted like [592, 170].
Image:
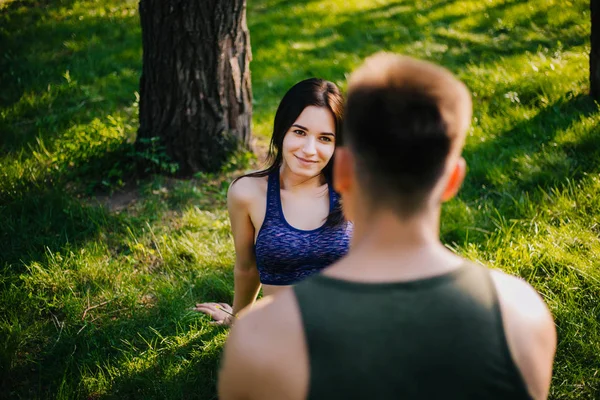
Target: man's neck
[386, 247]
[385, 229]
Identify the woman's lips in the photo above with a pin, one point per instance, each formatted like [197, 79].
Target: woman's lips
[305, 161]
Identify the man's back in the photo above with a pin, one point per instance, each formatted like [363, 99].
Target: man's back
[432, 338]
[272, 352]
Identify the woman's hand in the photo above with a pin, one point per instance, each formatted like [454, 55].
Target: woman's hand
[221, 313]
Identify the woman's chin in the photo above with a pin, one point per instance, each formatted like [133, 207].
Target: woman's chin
[306, 171]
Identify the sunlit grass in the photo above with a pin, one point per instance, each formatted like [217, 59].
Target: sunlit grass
[95, 290]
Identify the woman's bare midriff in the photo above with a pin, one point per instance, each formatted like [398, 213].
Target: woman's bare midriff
[268, 290]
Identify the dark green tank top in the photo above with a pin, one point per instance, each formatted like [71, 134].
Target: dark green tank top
[435, 338]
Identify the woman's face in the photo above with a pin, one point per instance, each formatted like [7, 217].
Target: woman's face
[309, 143]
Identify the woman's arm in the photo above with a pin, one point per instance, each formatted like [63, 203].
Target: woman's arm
[246, 281]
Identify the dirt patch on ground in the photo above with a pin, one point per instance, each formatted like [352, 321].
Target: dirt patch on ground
[118, 200]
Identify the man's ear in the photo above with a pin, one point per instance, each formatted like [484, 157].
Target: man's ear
[343, 170]
[457, 176]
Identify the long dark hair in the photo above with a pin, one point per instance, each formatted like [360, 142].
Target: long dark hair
[309, 92]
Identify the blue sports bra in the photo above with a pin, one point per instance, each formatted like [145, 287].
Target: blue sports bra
[286, 255]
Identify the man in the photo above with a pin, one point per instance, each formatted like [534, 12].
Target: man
[401, 316]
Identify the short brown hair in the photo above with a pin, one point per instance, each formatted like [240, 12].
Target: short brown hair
[403, 118]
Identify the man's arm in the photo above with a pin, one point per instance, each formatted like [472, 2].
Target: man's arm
[235, 380]
[530, 332]
[265, 355]
[246, 357]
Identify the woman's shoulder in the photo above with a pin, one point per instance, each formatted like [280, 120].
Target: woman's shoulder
[247, 189]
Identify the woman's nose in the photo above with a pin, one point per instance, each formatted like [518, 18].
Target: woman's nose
[309, 146]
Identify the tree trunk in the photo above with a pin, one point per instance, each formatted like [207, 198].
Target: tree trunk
[195, 90]
[595, 52]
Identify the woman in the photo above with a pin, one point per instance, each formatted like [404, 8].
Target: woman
[286, 220]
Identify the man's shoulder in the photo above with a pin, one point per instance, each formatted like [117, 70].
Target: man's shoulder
[525, 314]
[265, 355]
[270, 326]
[529, 329]
[520, 300]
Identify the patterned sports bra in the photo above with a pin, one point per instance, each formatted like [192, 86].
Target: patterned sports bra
[286, 255]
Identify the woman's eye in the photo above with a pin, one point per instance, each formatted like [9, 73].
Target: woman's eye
[299, 132]
[326, 139]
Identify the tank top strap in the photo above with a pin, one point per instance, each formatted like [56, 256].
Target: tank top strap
[334, 197]
[273, 196]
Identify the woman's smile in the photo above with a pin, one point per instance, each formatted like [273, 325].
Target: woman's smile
[304, 161]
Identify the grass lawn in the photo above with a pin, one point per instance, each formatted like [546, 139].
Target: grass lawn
[98, 272]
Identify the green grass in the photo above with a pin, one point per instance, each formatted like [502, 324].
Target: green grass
[94, 293]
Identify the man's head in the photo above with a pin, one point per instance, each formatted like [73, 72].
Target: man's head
[404, 128]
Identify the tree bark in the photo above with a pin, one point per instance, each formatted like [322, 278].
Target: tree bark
[195, 90]
[595, 51]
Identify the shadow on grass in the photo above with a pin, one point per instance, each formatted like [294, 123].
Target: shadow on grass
[528, 155]
[87, 66]
[129, 348]
[188, 370]
[401, 25]
[39, 221]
